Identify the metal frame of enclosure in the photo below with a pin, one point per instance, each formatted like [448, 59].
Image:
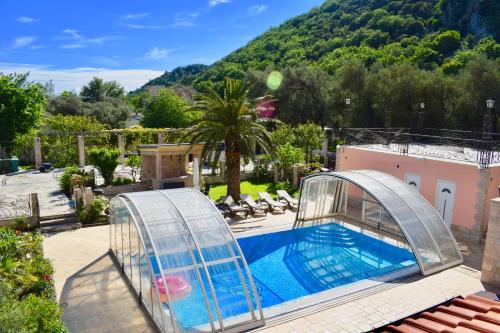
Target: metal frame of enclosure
[389, 204]
[179, 234]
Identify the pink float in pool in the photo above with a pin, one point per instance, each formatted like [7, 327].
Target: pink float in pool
[177, 286]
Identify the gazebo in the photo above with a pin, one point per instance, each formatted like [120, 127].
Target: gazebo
[166, 165]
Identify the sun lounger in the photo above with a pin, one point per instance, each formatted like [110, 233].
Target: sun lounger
[273, 204]
[292, 202]
[255, 206]
[234, 208]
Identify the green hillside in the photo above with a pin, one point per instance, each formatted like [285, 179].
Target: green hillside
[431, 34]
[181, 75]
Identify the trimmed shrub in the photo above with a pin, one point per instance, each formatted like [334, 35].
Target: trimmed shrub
[106, 160]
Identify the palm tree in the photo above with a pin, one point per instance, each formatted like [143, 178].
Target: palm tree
[228, 118]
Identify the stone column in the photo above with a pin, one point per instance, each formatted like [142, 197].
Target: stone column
[81, 151]
[35, 210]
[325, 152]
[490, 273]
[38, 153]
[121, 147]
[223, 168]
[158, 167]
[196, 173]
[276, 173]
[88, 196]
[161, 138]
[295, 176]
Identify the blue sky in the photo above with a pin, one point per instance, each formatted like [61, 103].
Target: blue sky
[129, 41]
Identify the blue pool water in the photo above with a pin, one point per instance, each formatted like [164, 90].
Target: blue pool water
[291, 264]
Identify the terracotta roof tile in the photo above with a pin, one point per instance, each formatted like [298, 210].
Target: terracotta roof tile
[470, 315]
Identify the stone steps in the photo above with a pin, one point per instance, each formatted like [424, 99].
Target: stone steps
[58, 223]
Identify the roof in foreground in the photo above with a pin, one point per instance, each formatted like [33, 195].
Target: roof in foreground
[427, 234]
[472, 314]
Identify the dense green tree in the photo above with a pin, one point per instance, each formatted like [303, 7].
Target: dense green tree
[309, 138]
[21, 105]
[305, 94]
[98, 89]
[111, 111]
[166, 110]
[65, 104]
[229, 118]
[479, 81]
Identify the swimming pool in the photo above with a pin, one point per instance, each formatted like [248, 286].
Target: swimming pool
[293, 264]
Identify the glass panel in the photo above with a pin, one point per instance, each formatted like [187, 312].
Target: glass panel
[146, 285]
[177, 252]
[429, 217]
[134, 256]
[119, 219]
[157, 308]
[112, 225]
[416, 233]
[126, 243]
[354, 208]
[188, 300]
[230, 292]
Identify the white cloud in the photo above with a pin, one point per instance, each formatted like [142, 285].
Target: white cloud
[135, 16]
[70, 34]
[74, 79]
[26, 19]
[256, 10]
[76, 40]
[185, 19]
[24, 41]
[213, 3]
[144, 26]
[157, 54]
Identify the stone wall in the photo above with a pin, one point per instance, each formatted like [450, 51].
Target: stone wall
[111, 191]
[491, 262]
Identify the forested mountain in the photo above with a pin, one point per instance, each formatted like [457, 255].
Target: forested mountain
[181, 75]
[431, 34]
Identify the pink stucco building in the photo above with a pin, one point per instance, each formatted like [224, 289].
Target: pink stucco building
[447, 177]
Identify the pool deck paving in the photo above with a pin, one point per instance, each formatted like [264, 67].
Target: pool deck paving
[96, 298]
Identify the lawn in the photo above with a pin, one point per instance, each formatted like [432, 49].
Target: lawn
[252, 188]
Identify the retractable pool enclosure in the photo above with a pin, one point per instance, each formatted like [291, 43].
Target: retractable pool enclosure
[182, 260]
[384, 202]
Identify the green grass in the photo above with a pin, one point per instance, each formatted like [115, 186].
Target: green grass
[252, 188]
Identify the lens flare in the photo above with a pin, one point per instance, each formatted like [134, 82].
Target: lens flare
[274, 80]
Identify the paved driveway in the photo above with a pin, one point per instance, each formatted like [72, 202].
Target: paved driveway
[52, 201]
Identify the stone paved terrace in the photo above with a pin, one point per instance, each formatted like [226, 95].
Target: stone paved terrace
[96, 299]
[52, 201]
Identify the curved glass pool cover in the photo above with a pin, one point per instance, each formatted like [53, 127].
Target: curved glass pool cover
[174, 246]
[326, 195]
